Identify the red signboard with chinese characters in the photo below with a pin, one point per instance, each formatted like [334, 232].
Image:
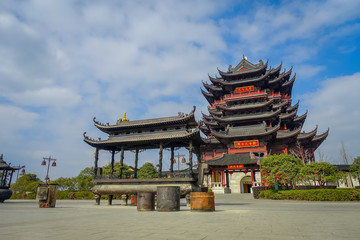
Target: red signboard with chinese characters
[236, 166]
[250, 143]
[244, 89]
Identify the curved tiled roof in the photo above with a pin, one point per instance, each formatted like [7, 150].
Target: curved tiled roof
[246, 117]
[282, 134]
[246, 131]
[309, 135]
[181, 119]
[281, 77]
[146, 140]
[231, 159]
[247, 66]
[242, 82]
[245, 106]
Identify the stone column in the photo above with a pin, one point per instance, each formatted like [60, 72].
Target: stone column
[96, 161]
[136, 163]
[121, 162]
[227, 188]
[160, 159]
[172, 160]
[190, 155]
[112, 162]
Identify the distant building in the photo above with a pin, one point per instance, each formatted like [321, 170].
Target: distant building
[250, 117]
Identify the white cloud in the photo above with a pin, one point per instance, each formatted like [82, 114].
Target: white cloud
[335, 105]
[52, 96]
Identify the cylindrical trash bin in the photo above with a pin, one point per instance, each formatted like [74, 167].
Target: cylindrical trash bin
[168, 199]
[145, 201]
[202, 202]
[134, 200]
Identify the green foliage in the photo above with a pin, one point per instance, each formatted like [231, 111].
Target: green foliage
[126, 173]
[283, 170]
[320, 173]
[147, 171]
[84, 181]
[65, 183]
[339, 194]
[355, 167]
[26, 183]
[23, 196]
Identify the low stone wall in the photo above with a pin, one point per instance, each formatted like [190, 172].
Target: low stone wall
[257, 190]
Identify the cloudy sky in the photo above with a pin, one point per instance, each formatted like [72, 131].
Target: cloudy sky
[64, 62]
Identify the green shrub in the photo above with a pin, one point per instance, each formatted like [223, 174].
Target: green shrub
[348, 194]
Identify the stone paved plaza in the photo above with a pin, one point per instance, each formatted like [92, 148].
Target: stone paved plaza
[236, 217]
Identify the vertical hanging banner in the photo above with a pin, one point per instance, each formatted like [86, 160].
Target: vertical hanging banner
[249, 143]
[244, 89]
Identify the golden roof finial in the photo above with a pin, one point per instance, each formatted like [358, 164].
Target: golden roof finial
[124, 119]
[244, 57]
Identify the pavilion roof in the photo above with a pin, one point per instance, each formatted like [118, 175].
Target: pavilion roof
[180, 119]
[242, 82]
[247, 117]
[282, 134]
[281, 77]
[232, 159]
[244, 67]
[246, 131]
[5, 166]
[147, 140]
[238, 107]
[309, 135]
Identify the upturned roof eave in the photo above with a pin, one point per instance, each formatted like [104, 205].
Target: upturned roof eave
[188, 119]
[258, 134]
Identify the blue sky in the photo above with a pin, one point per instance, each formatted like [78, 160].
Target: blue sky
[64, 62]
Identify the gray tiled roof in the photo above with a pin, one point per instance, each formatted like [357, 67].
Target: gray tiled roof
[231, 159]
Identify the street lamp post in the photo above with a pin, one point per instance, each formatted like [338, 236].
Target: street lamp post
[22, 171]
[43, 163]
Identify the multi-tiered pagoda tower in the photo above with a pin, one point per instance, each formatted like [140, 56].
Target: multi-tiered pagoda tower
[251, 116]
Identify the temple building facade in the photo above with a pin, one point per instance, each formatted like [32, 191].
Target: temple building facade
[251, 116]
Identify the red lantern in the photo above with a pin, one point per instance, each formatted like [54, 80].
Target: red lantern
[231, 172]
[245, 172]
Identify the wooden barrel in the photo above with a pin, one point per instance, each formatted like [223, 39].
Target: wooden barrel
[202, 201]
[133, 200]
[168, 199]
[145, 201]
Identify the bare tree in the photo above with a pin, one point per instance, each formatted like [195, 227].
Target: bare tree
[323, 157]
[306, 155]
[344, 156]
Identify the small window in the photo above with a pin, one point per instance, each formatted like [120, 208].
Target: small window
[127, 132]
[139, 132]
[152, 130]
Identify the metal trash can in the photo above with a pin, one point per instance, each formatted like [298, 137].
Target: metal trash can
[145, 201]
[168, 199]
[46, 194]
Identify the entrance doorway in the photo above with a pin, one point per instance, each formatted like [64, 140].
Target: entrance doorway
[245, 184]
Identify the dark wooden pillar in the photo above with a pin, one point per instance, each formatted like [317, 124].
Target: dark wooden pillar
[172, 160]
[112, 162]
[160, 159]
[190, 155]
[136, 163]
[121, 162]
[227, 178]
[96, 161]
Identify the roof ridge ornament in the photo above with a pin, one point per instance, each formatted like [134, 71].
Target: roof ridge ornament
[124, 119]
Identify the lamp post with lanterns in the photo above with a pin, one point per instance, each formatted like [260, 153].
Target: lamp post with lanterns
[43, 163]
